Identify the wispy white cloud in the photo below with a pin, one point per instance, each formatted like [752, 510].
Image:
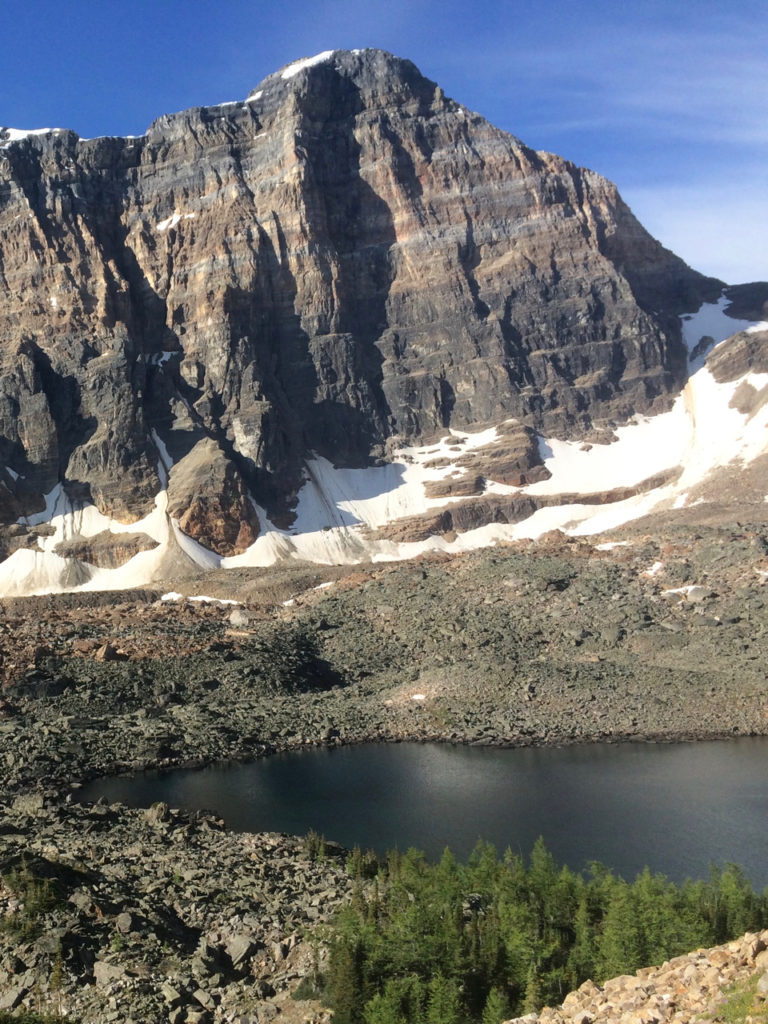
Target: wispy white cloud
[669, 100]
[688, 79]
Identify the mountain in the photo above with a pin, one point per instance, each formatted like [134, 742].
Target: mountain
[337, 320]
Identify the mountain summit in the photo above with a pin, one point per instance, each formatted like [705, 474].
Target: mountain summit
[198, 324]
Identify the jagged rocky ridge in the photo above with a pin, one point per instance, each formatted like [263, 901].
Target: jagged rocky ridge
[345, 262]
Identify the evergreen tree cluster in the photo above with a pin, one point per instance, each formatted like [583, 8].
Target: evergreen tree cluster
[452, 943]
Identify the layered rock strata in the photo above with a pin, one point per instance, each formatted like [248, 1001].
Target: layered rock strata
[345, 257]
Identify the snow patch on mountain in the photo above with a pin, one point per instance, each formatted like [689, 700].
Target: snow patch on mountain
[307, 62]
[173, 220]
[339, 509]
[43, 571]
[10, 135]
[377, 495]
[164, 462]
[643, 448]
[710, 321]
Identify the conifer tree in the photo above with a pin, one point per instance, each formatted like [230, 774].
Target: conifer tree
[581, 960]
[496, 1008]
[533, 1000]
[443, 1001]
[619, 948]
[345, 981]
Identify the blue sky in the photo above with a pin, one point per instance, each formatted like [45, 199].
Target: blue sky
[668, 99]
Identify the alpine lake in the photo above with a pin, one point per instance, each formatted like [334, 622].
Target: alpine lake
[676, 808]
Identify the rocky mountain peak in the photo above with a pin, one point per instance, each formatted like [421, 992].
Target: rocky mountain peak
[371, 71]
[342, 264]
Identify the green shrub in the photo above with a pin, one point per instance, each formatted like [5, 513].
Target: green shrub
[37, 896]
[311, 987]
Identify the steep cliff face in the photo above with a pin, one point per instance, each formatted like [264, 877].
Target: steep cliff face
[346, 257]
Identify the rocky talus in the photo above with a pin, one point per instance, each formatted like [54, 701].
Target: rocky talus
[346, 257]
[688, 988]
[117, 915]
[158, 917]
[561, 641]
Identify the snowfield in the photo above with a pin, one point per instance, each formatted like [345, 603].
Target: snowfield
[339, 509]
[711, 322]
[11, 135]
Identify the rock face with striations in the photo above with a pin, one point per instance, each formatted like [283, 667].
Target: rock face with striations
[346, 257]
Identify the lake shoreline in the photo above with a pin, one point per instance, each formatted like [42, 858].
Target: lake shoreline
[550, 644]
[174, 905]
[95, 747]
[675, 807]
[201, 764]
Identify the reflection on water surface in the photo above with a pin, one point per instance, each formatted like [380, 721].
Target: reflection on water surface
[675, 807]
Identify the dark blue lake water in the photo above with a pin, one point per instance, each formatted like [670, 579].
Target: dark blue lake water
[676, 808]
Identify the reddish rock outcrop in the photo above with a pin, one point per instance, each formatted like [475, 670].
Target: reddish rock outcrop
[692, 987]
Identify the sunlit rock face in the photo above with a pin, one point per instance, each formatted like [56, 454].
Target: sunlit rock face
[346, 257]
